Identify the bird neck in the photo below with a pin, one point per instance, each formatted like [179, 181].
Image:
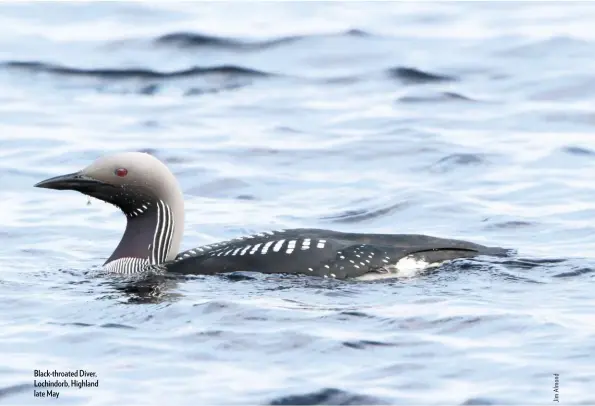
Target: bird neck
[152, 233]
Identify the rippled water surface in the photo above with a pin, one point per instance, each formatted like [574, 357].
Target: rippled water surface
[462, 120]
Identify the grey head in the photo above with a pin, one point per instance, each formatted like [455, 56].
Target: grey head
[147, 193]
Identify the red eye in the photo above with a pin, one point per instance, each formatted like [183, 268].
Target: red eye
[121, 172]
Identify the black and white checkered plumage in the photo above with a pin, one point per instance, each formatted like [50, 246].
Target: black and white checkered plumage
[326, 253]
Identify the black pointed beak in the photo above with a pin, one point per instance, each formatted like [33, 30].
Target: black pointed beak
[71, 181]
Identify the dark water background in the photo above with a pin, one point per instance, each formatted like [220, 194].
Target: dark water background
[464, 120]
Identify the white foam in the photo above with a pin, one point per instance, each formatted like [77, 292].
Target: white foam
[406, 267]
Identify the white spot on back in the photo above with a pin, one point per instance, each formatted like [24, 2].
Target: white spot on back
[306, 244]
[406, 267]
[278, 246]
[266, 247]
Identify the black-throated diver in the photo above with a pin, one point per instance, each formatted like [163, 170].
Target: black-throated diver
[150, 197]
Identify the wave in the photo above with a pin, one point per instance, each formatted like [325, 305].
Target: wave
[13, 390]
[328, 396]
[228, 77]
[198, 40]
[133, 73]
[362, 215]
[456, 161]
[416, 76]
[435, 97]
[209, 80]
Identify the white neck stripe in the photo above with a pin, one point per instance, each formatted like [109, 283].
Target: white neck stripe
[163, 235]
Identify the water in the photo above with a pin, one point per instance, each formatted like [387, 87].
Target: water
[463, 120]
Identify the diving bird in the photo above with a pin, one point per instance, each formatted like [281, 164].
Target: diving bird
[151, 199]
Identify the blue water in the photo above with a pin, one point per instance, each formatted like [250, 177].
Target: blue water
[462, 120]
